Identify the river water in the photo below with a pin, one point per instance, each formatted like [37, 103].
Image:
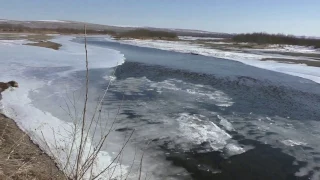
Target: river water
[198, 117]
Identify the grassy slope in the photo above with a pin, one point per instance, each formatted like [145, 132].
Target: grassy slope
[20, 159]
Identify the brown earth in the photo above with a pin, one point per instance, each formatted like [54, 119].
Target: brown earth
[46, 44]
[20, 158]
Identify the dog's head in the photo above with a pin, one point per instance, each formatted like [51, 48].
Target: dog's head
[13, 84]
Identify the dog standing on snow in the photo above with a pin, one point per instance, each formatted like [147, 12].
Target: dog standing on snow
[4, 86]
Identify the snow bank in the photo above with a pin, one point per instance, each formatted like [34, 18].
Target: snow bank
[52, 21]
[52, 134]
[292, 48]
[185, 47]
[13, 42]
[300, 70]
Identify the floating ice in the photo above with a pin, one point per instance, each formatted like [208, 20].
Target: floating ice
[224, 122]
[205, 131]
[290, 142]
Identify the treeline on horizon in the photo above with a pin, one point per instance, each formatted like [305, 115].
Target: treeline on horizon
[145, 33]
[20, 29]
[136, 33]
[265, 38]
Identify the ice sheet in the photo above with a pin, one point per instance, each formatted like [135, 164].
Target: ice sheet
[52, 134]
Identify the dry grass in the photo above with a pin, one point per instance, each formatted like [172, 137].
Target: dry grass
[20, 159]
[42, 40]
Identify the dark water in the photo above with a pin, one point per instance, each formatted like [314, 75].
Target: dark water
[172, 99]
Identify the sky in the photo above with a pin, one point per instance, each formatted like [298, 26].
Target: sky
[297, 17]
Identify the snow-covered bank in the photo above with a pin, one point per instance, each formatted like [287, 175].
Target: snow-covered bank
[271, 47]
[300, 70]
[20, 62]
[291, 48]
[57, 21]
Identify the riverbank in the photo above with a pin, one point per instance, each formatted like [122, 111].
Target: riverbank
[20, 158]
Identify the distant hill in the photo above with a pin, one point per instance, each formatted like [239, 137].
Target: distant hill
[65, 24]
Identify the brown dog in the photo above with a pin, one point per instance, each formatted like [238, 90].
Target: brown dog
[4, 86]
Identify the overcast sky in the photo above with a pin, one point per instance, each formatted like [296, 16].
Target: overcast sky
[299, 17]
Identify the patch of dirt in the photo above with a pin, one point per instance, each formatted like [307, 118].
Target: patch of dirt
[20, 158]
[46, 44]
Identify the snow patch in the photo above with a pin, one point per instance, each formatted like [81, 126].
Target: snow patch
[13, 42]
